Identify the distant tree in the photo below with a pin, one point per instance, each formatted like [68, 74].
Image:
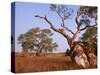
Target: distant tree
[26, 39]
[83, 19]
[38, 40]
[44, 42]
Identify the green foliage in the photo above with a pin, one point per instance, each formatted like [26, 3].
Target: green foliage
[37, 39]
[89, 10]
[62, 11]
[90, 36]
[87, 14]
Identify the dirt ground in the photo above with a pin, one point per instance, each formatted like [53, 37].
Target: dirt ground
[52, 62]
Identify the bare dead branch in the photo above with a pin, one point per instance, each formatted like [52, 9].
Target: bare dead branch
[59, 14]
[84, 28]
[87, 27]
[69, 30]
[52, 26]
[39, 16]
[76, 19]
[45, 18]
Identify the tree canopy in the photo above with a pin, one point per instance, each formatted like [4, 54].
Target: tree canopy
[38, 40]
[86, 16]
[90, 36]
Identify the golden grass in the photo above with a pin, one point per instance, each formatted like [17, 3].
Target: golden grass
[52, 62]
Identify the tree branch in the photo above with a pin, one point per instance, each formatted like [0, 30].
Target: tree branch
[78, 25]
[69, 30]
[45, 18]
[52, 26]
[59, 14]
[76, 18]
[84, 28]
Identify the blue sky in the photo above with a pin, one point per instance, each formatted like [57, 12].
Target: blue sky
[25, 20]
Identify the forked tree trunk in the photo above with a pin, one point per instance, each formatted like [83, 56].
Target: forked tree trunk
[69, 39]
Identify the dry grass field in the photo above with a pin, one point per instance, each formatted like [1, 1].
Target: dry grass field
[51, 62]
